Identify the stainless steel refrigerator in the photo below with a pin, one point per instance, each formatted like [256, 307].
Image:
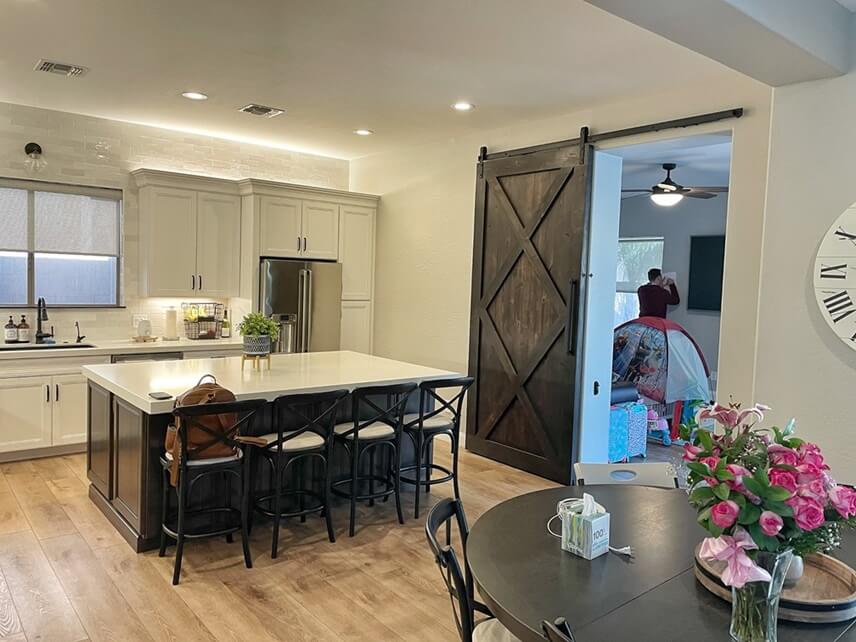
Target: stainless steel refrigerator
[305, 297]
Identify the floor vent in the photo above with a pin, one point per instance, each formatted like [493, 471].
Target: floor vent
[60, 68]
[262, 110]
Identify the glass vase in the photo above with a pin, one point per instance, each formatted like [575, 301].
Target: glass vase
[755, 606]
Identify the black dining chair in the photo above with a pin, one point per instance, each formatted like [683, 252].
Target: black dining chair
[209, 521]
[377, 418]
[459, 583]
[558, 630]
[437, 416]
[303, 435]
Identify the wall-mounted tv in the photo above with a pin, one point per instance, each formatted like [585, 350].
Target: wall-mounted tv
[707, 260]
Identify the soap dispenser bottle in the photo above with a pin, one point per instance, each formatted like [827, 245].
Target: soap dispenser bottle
[23, 330]
[10, 331]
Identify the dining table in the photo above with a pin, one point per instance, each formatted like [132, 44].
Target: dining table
[524, 576]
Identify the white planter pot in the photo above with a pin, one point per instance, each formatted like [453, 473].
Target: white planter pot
[259, 345]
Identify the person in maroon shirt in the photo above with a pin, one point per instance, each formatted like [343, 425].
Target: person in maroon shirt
[656, 295]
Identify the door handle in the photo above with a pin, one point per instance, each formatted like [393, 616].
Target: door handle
[192, 281]
[56, 391]
[573, 316]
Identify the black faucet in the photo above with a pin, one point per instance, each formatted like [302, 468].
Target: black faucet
[41, 315]
[80, 337]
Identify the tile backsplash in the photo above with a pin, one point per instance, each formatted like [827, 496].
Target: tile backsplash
[84, 150]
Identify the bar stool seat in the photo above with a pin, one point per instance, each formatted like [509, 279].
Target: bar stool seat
[375, 430]
[200, 463]
[305, 441]
[441, 421]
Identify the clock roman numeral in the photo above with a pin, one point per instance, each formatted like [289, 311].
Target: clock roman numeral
[839, 305]
[833, 271]
[845, 236]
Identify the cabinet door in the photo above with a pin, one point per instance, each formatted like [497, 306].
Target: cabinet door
[168, 218]
[69, 409]
[320, 230]
[279, 227]
[356, 251]
[128, 454]
[218, 244]
[356, 326]
[25, 413]
[99, 446]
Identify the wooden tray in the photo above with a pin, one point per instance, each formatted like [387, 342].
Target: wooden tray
[144, 339]
[825, 593]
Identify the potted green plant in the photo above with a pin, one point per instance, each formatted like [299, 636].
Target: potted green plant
[258, 332]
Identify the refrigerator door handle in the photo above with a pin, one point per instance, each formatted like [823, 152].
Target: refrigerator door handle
[308, 291]
[301, 315]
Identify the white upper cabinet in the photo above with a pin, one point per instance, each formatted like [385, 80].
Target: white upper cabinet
[280, 231]
[356, 251]
[168, 237]
[320, 230]
[218, 231]
[190, 235]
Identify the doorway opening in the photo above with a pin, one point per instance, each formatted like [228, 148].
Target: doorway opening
[668, 247]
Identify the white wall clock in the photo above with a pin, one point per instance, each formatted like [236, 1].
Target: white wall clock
[835, 277]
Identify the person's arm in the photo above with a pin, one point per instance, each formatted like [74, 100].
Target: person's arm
[674, 299]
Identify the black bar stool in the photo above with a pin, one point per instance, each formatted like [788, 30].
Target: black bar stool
[209, 521]
[377, 418]
[304, 433]
[444, 419]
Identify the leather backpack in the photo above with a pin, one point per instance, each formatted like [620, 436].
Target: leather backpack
[202, 433]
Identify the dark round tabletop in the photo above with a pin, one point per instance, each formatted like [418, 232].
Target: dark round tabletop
[525, 577]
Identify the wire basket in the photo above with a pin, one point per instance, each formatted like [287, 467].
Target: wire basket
[202, 320]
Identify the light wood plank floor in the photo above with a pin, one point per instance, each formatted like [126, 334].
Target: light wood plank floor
[65, 575]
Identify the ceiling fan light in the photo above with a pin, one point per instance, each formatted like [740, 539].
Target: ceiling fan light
[664, 199]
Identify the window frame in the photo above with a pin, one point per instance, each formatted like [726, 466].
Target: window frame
[33, 186]
[638, 239]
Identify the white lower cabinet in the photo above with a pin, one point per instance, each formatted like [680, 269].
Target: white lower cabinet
[356, 326]
[25, 413]
[69, 409]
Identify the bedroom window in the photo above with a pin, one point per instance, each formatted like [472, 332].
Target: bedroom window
[635, 257]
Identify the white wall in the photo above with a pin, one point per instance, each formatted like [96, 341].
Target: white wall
[691, 217]
[72, 144]
[803, 369]
[425, 222]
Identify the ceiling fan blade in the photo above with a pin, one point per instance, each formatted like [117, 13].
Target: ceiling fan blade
[715, 190]
[637, 191]
[700, 195]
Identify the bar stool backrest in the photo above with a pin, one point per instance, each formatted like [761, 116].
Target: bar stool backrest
[367, 406]
[451, 406]
[296, 415]
[240, 414]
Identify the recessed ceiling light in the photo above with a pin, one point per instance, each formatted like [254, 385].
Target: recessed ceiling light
[463, 105]
[363, 132]
[194, 95]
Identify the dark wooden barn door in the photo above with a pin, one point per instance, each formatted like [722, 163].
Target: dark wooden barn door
[531, 222]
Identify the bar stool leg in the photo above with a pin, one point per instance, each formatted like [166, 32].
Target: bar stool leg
[371, 474]
[179, 543]
[228, 476]
[420, 440]
[429, 459]
[245, 509]
[164, 512]
[301, 477]
[276, 508]
[355, 458]
[327, 499]
[396, 463]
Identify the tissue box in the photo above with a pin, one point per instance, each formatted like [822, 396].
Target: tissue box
[583, 535]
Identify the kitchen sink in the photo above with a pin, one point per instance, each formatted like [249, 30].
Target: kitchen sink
[44, 346]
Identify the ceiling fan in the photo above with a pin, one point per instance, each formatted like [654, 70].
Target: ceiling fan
[667, 192]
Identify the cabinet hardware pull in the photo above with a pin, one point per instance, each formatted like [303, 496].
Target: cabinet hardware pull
[192, 281]
[47, 394]
[304, 243]
[56, 389]
[298, 243]
[200, 281]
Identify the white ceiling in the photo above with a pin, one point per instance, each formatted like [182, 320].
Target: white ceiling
[848, 4]
[702, 160]
[394, 66]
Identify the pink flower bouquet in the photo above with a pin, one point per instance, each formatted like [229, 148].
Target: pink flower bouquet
[760, 489]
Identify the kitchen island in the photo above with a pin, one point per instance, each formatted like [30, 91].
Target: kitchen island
[126, 427]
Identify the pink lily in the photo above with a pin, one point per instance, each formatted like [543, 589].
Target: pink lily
[726, 416]
[732, 549]
[758, 410]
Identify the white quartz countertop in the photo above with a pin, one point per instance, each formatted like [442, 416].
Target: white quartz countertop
[289, 373]
[32, 351]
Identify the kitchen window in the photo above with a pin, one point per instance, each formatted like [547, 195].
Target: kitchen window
[59, 242]
[635, 257]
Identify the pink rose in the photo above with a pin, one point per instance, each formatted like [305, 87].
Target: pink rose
[781, 456]
[808, 512]
[710, 462]
[784, 478]
[808, 472]
[691, 452]
[724, 513]
[810, 454]
[844, 500]
[770, 523]
[737, 485]
[814, 489]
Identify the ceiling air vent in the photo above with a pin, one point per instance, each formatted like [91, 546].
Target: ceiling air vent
[60, 68]
[262, 110]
